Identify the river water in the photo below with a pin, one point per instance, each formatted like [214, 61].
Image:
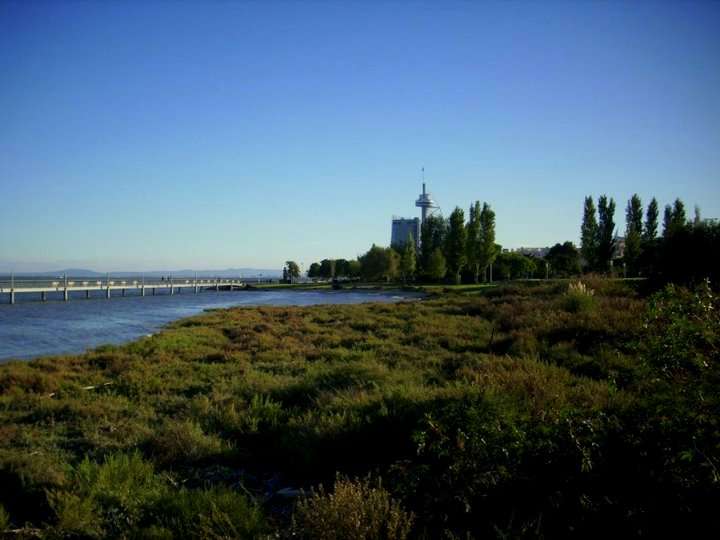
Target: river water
[31, 329]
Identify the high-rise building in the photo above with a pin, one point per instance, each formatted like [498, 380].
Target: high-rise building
[404, 228]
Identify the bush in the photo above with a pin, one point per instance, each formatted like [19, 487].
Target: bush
[683, 331]
[208, 513]
[106, 498]
[356, 510]
[578, 298]
[183, 442]
[4, 519]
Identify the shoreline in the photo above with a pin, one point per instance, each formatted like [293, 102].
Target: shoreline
[128, 321]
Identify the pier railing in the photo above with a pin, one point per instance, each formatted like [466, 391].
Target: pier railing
[13, 285]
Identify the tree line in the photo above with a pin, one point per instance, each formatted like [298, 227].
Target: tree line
[684, 252]
[457, 250]
[450, 249]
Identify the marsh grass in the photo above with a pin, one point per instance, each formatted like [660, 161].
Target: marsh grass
[491, 411]
[359, 509]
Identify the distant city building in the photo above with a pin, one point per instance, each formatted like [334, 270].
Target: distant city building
[537, 252]
[402, 229]
[619, 247]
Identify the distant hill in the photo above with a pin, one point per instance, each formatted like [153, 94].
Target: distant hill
[226, 273]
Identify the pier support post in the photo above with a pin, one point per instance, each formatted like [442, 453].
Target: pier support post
[66, 295]
[12, 297]
[142, 290]
[123, 292]
[107, 292]
[43, 296]
[153, 290]
[87, 293]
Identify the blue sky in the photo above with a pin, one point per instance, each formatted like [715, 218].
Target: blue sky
[168, 135]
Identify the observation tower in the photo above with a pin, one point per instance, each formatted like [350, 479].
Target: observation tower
[425, 202]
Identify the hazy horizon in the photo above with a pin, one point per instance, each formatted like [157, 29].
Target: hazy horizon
[162, 136]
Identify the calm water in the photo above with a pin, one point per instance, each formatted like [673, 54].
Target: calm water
[30, 329]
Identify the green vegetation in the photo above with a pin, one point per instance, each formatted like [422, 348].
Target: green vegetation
[524, 410]
[291, 271]
[355, 510]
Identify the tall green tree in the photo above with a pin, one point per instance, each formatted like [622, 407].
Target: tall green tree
[514, 266]
[432, 237]
[487, 249]
[472, 242]
[353, 269]
[679, 217]
[606, 232]
[292, 270]
[379, 263]
[327, 268]
[589, 234]
[667, 221]
[455, 244]
[651, 221]
[697, 219]
[675, 218]
[436, 268]
[314, 270]
[633, 233]
[564, 260]
[342, 267]
[408, 259]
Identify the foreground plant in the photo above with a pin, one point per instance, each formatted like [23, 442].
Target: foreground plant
[355, 510]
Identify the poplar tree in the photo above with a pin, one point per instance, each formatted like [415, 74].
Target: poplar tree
[291, 270]
[488, 250]
[456, 243]
[667, 221]
[408, 259]
[679, 218]
[697, 220]
[606, 231]
[472, 242]
[589, 234]
[633, 232]
[432, 237]
[675, 218]
[651, 221]
[436, 268]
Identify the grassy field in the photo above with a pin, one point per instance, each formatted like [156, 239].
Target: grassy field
[528, 410]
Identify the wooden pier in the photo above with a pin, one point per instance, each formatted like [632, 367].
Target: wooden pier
[112, 286]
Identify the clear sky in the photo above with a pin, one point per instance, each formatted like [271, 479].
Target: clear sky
[166, 135]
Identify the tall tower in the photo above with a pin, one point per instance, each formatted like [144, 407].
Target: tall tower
[425, 202]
